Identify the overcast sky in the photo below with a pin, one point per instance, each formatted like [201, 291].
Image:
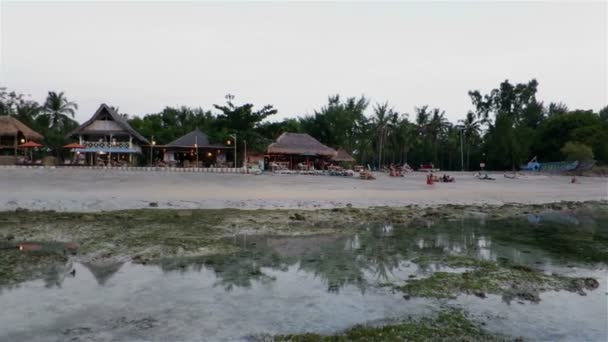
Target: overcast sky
[142, 57]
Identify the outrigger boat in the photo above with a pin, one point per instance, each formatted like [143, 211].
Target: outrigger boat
[563, 166]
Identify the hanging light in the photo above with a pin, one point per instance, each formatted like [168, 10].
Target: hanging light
[209, 154]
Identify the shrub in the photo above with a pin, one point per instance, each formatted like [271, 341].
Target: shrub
[577, 151]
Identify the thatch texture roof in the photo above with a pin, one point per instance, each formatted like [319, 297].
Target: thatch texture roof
[299, 143]
[188, 140]
[116, 125]
[11, 126]
[343, 156]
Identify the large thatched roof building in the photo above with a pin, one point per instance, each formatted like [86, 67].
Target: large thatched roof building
[13, 133]
[108, 139]
[193, 148]
[11, 127]
[300, 144]
[106, 122]
[297, 149]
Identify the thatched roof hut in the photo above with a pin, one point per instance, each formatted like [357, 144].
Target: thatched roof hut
[106, 121]
[343, 156]
[195, 137]
[10, 126]
[300, 144]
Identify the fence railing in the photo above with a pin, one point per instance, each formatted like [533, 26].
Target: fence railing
[105, 144]
[134, 168]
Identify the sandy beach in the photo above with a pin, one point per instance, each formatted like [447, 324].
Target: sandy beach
[96, 190]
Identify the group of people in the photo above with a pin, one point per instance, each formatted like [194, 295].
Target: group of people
[431, 178]
[399, 170]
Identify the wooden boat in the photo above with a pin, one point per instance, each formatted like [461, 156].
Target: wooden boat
[562, 166]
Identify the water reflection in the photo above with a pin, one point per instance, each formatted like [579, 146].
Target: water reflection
[319, 283]
[378, 253]
[374, 255]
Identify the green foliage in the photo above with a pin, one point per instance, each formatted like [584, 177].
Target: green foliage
[341, 124]
[577, 151]
[53, 119]
[171, 123]
[577, 126]
[604, 114]
[506, 127]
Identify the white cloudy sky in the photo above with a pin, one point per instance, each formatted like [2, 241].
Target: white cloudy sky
[142, 56]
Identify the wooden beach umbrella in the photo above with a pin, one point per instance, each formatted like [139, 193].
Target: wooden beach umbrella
[30, 145]
[73, 145]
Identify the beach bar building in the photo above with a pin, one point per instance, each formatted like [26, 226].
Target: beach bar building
[12, 134]
[195, 150]
[108, 140]
[296, 150]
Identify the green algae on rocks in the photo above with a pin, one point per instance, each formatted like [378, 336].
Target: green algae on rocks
[509, 281]
[449, 325]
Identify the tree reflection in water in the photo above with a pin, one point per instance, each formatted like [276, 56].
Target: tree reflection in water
[371, 256]
[374, 254]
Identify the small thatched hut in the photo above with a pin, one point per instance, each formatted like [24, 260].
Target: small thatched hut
[13, 133]
[292, 149]
[195, 147]
[343, 157]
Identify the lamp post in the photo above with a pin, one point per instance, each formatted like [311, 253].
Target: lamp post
[151, 150]
[461, 129]
[196, 149]
[245, 157]
[233, 136]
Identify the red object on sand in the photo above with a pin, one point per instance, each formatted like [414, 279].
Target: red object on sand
[30, 144]
[29, 247]
[429, 179]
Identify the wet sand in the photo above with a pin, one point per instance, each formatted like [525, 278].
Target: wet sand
[96, 190]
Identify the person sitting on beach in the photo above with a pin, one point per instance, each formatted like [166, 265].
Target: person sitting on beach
[447, 179]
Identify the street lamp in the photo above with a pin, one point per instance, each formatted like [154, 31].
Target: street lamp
[461, 129]
[233, 136]
[151, 149]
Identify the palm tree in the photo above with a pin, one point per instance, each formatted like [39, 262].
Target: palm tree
[472, 128]
[58, 110]
[382, 123]
[437, 127]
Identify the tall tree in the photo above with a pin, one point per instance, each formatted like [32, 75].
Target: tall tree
[244, 120]
[471, 127]
[508, 111]
[59, 111]
[340, 124]
[384, 118]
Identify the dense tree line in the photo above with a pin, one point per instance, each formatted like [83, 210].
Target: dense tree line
[506, 127]
[54, 118]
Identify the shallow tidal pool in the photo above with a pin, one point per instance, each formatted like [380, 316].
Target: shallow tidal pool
[273, 285]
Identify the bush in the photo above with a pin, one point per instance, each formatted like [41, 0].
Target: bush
[577, 151]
